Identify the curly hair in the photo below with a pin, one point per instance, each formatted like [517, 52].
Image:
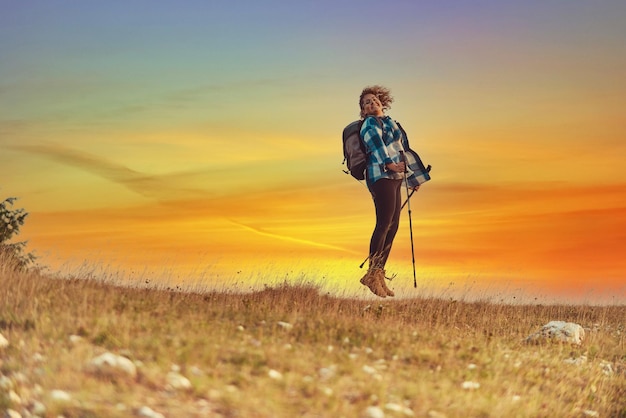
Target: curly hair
[383, 94]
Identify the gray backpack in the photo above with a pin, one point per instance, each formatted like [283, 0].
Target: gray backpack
[354, 153]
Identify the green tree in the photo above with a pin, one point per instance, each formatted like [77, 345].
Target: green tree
[13, 254]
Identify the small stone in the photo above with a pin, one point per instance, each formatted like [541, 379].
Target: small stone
[60, 396]
[373, 412]
[38, 408]
[75, 339]
[146, 411]
[5, 383]
[369, 369]
[607, 368]
[3, 342]
[177, 381]
[10, 413]
[14, 398]
[469, 385]
[576, 361]
[274, 374]
[111, 364]
[284, 325]
[196, 371]
[394, 407]
[327, 372]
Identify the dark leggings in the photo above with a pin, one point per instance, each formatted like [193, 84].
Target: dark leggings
[387, 201]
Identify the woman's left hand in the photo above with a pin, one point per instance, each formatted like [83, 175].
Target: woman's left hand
[396, 167]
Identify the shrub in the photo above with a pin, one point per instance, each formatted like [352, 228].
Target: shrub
[13, 254]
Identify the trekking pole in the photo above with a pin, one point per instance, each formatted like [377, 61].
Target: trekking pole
[401, 207]
[410, 221]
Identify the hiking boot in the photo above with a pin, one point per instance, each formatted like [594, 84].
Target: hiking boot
[388, 291]
[373, 282]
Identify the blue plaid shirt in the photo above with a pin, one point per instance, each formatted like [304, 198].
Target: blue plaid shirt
[383, 147]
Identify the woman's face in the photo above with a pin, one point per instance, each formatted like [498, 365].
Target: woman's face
[371, 105]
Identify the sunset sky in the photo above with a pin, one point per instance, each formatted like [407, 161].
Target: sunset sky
[201, 140]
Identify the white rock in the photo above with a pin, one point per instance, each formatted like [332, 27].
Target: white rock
[20, 377]
[39, 358]
[10, 413]
[146, 411]
[177, 381]
[38, 409]
[274, 374]
[372, 372]
[285, 325]
[576, 361]
[469, 385]
[60, 396]
[373, 412]
[14, 398]
[5, 383]
[369, 369]
[606, 367]
[75, 339]
[3, 341]
[38, 390]
[567, 332]
[111, 364]
[394, 407]
[327, 372]
[196, 371]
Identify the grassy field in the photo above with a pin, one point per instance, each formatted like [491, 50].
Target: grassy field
[289, 351]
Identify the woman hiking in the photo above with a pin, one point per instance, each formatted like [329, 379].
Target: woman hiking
[385, 145]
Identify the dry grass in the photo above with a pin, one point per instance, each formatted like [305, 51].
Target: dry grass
[290, 351]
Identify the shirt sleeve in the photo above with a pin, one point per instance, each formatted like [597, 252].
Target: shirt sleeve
[372, 135]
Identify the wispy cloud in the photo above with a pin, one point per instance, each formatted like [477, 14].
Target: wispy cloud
[300, 241]
[161, 187]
